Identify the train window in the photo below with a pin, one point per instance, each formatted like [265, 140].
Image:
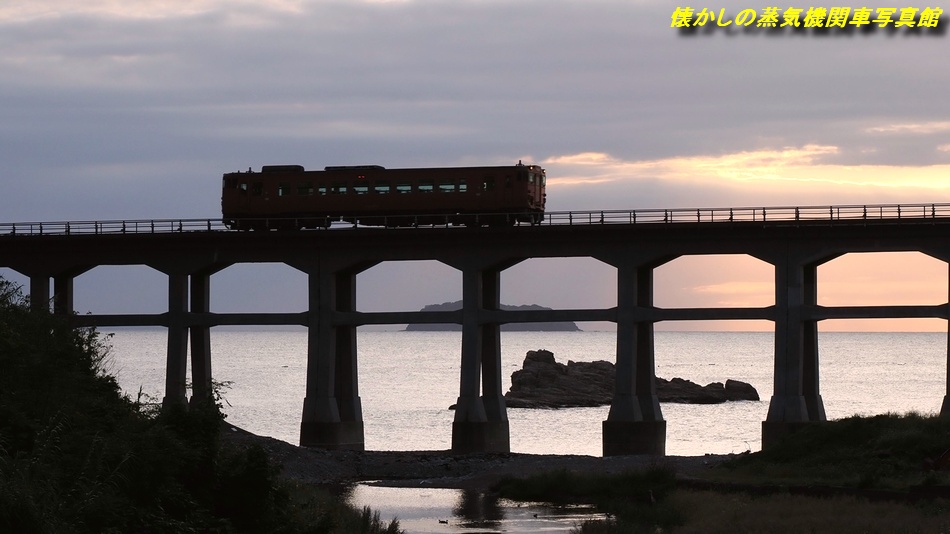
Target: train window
[426, 186]
[446, 186]
[338, 189]
[243, 188]
[404, 188]
[305, 188]
[382, 187]
[283, 189]
[257, 189]
[463, 186]
[488, 184]
[361, 188]
[321, 189]
[530, 177]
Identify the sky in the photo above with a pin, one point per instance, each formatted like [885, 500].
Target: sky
[134, 110]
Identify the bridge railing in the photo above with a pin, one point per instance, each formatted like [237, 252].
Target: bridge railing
[753, 214]
[777, 214]
[146, 226]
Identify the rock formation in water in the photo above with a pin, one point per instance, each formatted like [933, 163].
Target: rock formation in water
[544, 383]
[558, 326]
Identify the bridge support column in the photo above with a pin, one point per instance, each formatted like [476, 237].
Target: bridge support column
[63, 294]
[796, 400]
[332, 412]
[176, 366]
[201, 377]
[39, 292]
[347, 376]
[635, 423]
[481, 421]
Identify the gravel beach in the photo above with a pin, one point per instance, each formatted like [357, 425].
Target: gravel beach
[442, 469]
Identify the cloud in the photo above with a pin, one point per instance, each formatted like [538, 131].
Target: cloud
[912, 128]
[789, 170]
[25, 10]
[748, 165]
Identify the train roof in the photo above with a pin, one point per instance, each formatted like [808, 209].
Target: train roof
[340, 168]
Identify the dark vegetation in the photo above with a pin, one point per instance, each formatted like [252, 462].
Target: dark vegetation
[892, 452]
[76, 455]
[886, 473]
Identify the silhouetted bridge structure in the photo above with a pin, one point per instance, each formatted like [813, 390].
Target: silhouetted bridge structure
[794, 240]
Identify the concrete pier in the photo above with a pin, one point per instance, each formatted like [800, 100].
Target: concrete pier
[332, 413]
[481, 420]
[635, 422]
[795, 396]
[176, 367]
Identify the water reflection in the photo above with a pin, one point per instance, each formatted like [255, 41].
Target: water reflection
[444, 511]
[478, 510]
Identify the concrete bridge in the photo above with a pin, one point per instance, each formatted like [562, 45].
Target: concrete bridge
[794, 240]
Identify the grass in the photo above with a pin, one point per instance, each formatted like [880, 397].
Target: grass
[733, 513]
[891, 451]
[78, 456]
[860, 474]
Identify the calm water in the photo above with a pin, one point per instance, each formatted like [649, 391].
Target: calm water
[409, 379]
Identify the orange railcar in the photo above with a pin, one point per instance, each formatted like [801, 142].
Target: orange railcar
[289, 197]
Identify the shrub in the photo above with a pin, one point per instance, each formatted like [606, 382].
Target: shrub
[78, 456]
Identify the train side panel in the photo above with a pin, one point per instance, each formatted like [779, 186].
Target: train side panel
[377, 196]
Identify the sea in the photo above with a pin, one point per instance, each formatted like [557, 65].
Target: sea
[408, 380]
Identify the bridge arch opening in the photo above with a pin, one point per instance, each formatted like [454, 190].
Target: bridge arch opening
[564, 431]
[125, 289]
[264, 367]
[883, 279]
[137, 355]
[714, 281]
[408, 381]
[260, 288]
[408, 285]
[881, 366]
[741, 351]
[570, 283]
[408, 378]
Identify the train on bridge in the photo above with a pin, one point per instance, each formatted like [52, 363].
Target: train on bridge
[288, 197]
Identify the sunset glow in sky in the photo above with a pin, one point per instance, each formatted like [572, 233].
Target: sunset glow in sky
[134, 110]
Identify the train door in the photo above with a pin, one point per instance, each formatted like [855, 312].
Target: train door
[536, 184]
[235, 196]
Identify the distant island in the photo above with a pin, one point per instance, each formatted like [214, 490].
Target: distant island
[557, 326]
